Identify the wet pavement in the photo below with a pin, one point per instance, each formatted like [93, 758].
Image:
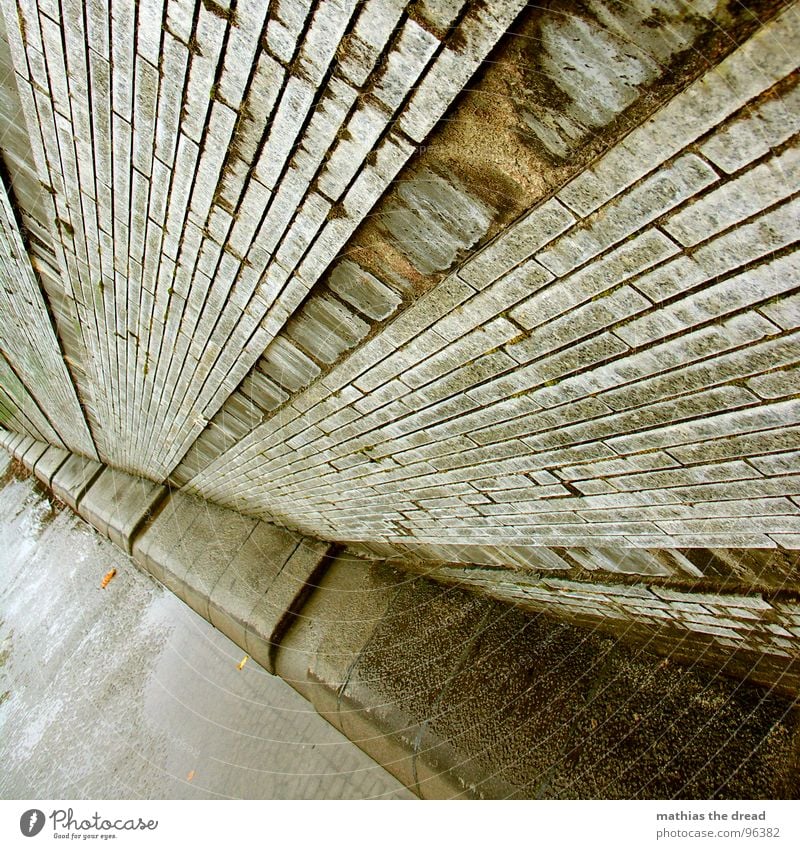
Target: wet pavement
[125, 692]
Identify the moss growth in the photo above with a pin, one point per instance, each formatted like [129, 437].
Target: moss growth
[224, 14]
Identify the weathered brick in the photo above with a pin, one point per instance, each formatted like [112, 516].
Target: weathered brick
[363, 290]
[752, 133]
[632, 257]
[736, 200]
[401, 69]
[517, 243]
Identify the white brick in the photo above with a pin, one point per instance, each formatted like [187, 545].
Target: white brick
[374, 26]
[402, 67]
[179, 18]
[240, 50]
[628, 213]
[491, 335]
[363, 129]
[745, 289]
[493, 300]
[517, 243]
[452, 68]
[322, 37]
[292, 110]
[761, 61]
[752, 134]
[747, 195]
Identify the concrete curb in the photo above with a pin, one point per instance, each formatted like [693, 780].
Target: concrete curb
[73, 479]
[118, 505]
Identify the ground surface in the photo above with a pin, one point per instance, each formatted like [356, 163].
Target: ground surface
[125, 692]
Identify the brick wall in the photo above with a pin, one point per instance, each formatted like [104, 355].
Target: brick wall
[279, 290]
[206, 164]
[617, 368]
[37, 396]
[749, 636]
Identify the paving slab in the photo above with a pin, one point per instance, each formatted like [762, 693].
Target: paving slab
[205, 552]
[17, 439]
[336, 624]
[14, 439]
[460, 696]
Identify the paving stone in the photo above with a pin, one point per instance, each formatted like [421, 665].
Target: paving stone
[19, 444]
[204, 553]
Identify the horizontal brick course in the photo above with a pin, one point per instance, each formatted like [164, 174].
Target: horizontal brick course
[615, 368]
[583, 383]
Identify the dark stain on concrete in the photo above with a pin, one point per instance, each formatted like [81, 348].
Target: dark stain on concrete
[489, 700]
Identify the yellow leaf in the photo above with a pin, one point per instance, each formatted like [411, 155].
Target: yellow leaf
[242, 662]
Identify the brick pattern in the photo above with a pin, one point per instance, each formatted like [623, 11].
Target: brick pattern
[618, 368]
[19, 411]
[207, 163]
[36, 393]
